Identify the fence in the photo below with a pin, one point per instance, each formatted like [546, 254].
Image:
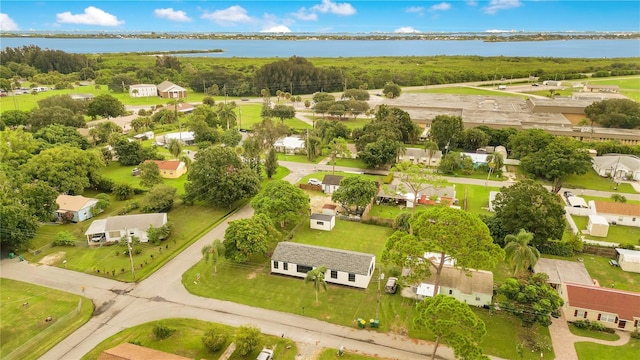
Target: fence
[600, 251]
[310, 187]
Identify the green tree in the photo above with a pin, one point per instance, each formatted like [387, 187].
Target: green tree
[247, 339]
[618, 198]
[159, 199]
[282, 112]
[391, 90]
[40, 197]
[60, 134]
[355, 193]
[446, 131]
[252, 154]
[615, 113]
[227, 115]
[18, 226]
[122, 191]
[454, 322]
[527, 142]
[528, 205]
[267, 132]
[13, 118]
[149, 174]
[281, 201]
[532, 300]
[338, 148]
[213, 251]
[105, 131]
[356, 94]
[519, 253]
[231, 137]
[317, 277]
[416, 179]
[129, 152]
[39, 118]
[214, 339]
[175, 147]
[432, 149]
[271, 163]
[380, 153]
[64, 101]
[247, 237]
[16, 147]
[450, 162]
[561, 158]
[452, 234]
[473, 139]
[495, 162]
[105, 106]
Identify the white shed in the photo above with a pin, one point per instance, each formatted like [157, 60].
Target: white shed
[629, 260]
[598, 226]
[322, 221]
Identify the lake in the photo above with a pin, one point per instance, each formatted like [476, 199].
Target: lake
[342, 48]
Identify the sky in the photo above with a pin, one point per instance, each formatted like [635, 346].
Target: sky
[320, 16]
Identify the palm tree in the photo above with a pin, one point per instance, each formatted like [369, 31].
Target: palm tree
[431, 148]
[213, 251]
[495, 162]
[317, 276]
[618, 198]
[175, 147]
[338, 147]
[227, 115]
[519, 253]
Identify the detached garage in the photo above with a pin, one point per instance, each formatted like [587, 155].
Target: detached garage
[629, 260]
[598, 226]
[322, 221]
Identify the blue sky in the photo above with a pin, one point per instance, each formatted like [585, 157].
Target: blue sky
[320, 16]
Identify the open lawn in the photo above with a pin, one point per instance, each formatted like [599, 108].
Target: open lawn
[617, 233]
[462, 90]
[24, 308]
[122, 174]
[300, 158]
[607, 275]
[348, 162]
[331, 354]
[592, 181]
[349, 122]
[629, 85]
[347, 236]
[591, 351]
[186, 341]
[475, 196]
[593, 334]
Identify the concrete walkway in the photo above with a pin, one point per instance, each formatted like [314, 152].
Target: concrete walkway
[563, 340]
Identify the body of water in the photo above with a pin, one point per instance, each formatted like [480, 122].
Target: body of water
[342, 48]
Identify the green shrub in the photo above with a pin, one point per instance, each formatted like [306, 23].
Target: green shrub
[123, 191]
[592, 325]
[388, 179]
[557, 248]
[132, 205]
[64, 238]
[635, 334]
[214, 339]
[401, 222]
[161, 331]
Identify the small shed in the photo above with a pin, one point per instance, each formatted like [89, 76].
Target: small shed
[322, 221]
[629, 260]
[330, 209]
[598, 226]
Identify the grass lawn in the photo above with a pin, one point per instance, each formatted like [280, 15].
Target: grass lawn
[24, 328]
[348, 162]
[300, 158]
[349, 122]
[617, 233]
[477, 174]
[629, 85]
[330, 354]
[607, 275]
[122, 174]
[592, 181]
[591, 351]
[593, 334]
[463, 90]
[186, 341]
[477, 197]
[345, 230]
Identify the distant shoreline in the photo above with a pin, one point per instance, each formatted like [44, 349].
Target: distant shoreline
[487, 37]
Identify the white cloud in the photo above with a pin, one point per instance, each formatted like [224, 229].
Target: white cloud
[276, 29]
[327, 6]
[304, 14]
[497, 5]
[91, 16]
[414, 9]
[443, 6]
[170, 14]
[6, 23]
[229, 16]
[471, 2]
[405, 30]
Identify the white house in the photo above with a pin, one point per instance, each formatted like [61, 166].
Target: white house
[322, 221]
[577, 202]
[420, 156]
[79, 206]
[143, 90]
[598, 226]
[169, 90]
[114, 228]
[618, 213]
[629, 260]
[331, 183]
[185, 137]
[290, 145]
[144, 136]
[474, 287]
[343, 267]
[617, 166]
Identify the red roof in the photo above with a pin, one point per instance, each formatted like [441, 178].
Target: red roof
[167, 164]
[625, 304]
[605, 207]
[329, 206]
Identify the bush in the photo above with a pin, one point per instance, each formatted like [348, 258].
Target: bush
[214, 339]
[557, 248]
[635, 334]
[247, 339]
[132, 205]
[388, 179]
[161, 331]
[401, 222]
[592, 325]
[64, 238]
[104, 184]
[123, 191]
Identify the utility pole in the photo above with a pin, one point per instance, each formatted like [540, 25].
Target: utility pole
[239, 118]
[133, 273]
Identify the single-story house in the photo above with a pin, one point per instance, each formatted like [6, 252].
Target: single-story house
[331, 183]
[330, 209]
[474, 287]
[617, 166]
[440, 195]
[421, 156]
[184, 107]
[601, 88]
[598, 226]
[143, 90]
[577, 202]
[478, 159]
[128, 351]
[115, 228]
[169, 90]
[615, 309]
[290, 145]
[343, 267]
[144, 136]
[170, 169]
[79, 206]
[629, 260]
[185, 137]
[561, 271]
[618, 213]
[322, 221]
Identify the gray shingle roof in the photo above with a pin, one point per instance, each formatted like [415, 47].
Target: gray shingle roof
[316, 256]
[332, 179]
[136, 221]
[321, 217]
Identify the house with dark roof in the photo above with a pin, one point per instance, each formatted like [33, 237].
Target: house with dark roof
[324, 222]
[169, 90]
[170, 169]
[343, 267]
[114, 228]
[615, 309]
[331, 183]
[618, 213]
[79, 206]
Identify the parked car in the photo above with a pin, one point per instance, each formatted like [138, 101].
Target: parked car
[313, 181]
[265, 354]
[392, 285]
[97, 237]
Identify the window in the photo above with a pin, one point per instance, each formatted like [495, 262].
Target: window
[607, 318]
[477, 298]
[352, 277]
[275, 264]
[580, 314]
[304, 269]
[620, 219]
[334, 274]
[320, 223]
[450, 292]
[285, 266]
[114, 234]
